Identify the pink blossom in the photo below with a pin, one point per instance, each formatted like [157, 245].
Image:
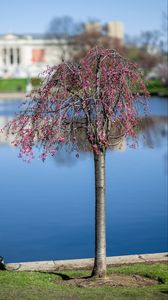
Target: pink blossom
[61, 139]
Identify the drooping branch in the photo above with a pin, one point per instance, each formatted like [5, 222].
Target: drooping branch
[99, 93]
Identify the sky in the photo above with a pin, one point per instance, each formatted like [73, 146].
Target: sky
[34, 16]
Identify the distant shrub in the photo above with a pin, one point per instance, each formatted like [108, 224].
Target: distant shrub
[35, 81]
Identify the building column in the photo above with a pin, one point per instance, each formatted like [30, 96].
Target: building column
[18, 56]
[8, 57]
[15, 56]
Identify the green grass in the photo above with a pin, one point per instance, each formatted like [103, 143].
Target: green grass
[156, 88]
[13, 85]
[47, 286]
[16, 84]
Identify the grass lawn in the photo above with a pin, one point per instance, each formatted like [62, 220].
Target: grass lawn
[52, 286]
[156, 88]
[13, 85]
[16, 84]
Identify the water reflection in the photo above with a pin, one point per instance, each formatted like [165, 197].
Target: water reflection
[152, 132]
[67, 158]
[155, 130]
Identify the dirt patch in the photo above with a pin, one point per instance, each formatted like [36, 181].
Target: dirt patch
[114, 280]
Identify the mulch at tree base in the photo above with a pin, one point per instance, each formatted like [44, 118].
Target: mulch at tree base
[114, 280]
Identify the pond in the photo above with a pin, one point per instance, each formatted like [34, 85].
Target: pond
[47, 209]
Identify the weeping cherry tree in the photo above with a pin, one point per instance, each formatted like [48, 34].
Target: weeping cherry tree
[101, 95]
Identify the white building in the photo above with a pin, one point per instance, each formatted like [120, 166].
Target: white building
[27, 56]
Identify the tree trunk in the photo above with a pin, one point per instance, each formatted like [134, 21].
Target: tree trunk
[99, 269]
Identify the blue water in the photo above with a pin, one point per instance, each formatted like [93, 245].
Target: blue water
[47, 209]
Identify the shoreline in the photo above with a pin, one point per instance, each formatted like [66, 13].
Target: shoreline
[13, 96]
[22, 95]
[53, 265]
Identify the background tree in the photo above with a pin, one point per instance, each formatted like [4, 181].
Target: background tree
[65, 29]
[64, 26]
[80, 38]
[144, 49]
[86, 40]
[97, 95]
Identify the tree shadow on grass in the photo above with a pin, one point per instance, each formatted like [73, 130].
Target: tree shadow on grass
[66, 277]
[165, 291]
[63, 276]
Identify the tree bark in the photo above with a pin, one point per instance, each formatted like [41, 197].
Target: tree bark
[99, 269]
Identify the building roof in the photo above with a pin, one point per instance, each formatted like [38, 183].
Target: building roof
[30, 36]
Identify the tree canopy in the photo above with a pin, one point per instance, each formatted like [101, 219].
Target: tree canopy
[99, 93]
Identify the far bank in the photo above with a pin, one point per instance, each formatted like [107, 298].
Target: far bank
[16, 88]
